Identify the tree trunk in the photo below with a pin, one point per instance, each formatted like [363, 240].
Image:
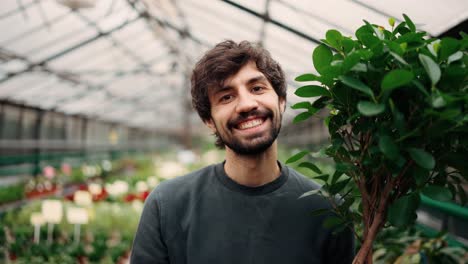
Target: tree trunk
[364, 255]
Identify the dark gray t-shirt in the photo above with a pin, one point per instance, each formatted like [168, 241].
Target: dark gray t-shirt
[206, 217]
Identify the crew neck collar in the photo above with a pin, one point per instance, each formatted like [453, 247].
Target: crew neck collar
[258, 190]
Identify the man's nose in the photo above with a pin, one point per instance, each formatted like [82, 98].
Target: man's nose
[246, 103]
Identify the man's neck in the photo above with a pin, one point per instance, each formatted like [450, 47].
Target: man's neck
[255, 170]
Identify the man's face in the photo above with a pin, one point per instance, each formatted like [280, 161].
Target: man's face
[246, 112]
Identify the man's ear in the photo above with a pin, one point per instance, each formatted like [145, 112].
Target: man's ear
[210, 124]
[282, 104]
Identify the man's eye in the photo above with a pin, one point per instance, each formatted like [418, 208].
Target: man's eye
[226, 98]
[257, 89]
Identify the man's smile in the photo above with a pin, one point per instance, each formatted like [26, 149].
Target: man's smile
[250, 123]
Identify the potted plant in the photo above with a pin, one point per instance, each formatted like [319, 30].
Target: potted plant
[397, 103]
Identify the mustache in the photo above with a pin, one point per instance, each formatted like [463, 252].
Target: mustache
[262, 113]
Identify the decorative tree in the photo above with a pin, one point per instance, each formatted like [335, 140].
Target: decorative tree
[398, 124]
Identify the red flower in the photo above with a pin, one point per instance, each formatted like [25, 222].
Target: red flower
[130, 197]
[144, 195]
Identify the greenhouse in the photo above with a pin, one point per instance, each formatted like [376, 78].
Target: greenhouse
[363, 103]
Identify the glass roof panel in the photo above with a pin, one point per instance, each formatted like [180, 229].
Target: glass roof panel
[13, 6]
[108, 13]
[314, 19]
[438, 18]
[33, 18]
[138, 68]
[291, 51]
[218, 21]
[30, 92]
[21, 82]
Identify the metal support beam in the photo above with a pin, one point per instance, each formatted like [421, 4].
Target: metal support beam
[265, 21]
[273, 21]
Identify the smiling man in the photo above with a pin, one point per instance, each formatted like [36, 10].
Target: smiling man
[247, 208]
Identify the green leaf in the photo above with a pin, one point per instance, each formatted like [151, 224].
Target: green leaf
[438, 101]
[422, 158]
[302, 105]
[431, 68]
[344, 167]
[359, 67]
[310, 166]
[334, 38]
[370, 109]
[302, 116]
[348, 45]
[312, 91]
[401, 28]
[421, 176]
[322, 58]
[396, 78]
[376, 30]
[369, 40]
[410, 23]
[309, 193]
[437, 193]
[365, 54]
[454, 57]
[398, 58]
[434, 47]
[402, 212]
[448, 46]
[357, 84]
[350, 61]
[336, 176]
[361, 31]
[307, 77]
[413, 39]
[339, 186]
[388, 147]
[323, 177]
[332, 221]
[297, 156]
[395, 47]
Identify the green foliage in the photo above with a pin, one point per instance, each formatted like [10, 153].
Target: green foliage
[412, 246]
[108, 234]
[398, 102]
[11, 193]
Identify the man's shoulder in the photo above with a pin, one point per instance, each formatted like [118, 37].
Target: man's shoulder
[185, 184]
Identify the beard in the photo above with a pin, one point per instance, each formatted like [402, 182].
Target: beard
[255, 144]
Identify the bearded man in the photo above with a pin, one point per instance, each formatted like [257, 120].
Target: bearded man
[247, 208]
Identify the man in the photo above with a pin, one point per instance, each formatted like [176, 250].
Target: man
[246, 209]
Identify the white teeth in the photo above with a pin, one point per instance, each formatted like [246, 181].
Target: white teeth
[251, 123]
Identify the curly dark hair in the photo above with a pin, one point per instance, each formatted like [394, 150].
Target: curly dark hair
[225, 60]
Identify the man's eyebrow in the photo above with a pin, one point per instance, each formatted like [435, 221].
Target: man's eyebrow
[257, 79]
[222, 89]
[250, 81]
